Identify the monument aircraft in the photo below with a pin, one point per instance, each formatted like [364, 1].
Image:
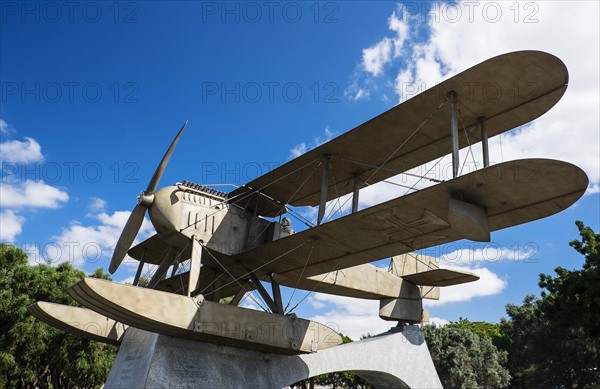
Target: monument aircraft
[210, 245]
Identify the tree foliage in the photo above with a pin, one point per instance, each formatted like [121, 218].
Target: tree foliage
[554, 341]
[33, 354]
[572, 298]
[465, 360]
[483, 330]
[543, 354]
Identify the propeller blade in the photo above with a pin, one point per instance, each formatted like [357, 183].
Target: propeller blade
[132, 227]
[163, 164]
[127, 236]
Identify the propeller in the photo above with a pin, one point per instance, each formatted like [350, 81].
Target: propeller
[145, 200]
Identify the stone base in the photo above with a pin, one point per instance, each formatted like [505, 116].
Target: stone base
[398, 359]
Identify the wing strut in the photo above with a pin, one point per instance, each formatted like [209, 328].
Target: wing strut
[484, 142]
[355, 193]
[275, 304]
[324, 187]
[195, 265]
[138, 273]
[454, 134]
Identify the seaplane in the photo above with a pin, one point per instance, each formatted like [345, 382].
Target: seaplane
[212, 248]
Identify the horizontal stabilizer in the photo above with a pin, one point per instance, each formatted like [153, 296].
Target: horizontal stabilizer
[441, 277]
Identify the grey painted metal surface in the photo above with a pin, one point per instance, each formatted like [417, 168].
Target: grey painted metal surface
[390, 360]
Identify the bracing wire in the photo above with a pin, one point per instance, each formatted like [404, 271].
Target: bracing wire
[299, 278]
[230, 275]
[313, 289]
[259, 267]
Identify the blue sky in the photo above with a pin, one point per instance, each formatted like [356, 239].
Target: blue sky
[93, 92]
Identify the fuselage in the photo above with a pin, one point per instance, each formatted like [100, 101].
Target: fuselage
[182, 211]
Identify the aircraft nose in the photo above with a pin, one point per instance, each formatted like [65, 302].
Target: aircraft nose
[164, 214]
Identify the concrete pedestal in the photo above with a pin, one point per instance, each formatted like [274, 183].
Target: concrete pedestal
[148, 360]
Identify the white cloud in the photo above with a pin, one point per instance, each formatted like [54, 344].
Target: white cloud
[366, 78]
[316, 304]
[376, 56]
[15, 151]
[31, 194]
[10, 225]
[361, 94]
[437, 321]
[5, 128]
[95, 242]
[303, 147]
[97, 205]
[19, 196]
[404, 85]
[351, 316]
[400, 26]
[298, 150]
[355, 90]
[326, 137]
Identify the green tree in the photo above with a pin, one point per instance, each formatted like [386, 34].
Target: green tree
[542, 354]
[31, 352]
[483, 330]
[465, 360]
[573, 297]
[553, 342]
[99, 273]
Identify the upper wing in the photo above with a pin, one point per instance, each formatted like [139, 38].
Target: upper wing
[511, 193]
[508, 90]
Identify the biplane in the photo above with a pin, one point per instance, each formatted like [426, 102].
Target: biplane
[212, 248]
